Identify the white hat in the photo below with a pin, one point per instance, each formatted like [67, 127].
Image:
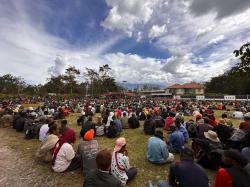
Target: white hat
[211, 135]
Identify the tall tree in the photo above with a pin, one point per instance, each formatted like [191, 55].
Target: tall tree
[11, 84]
[70, 76]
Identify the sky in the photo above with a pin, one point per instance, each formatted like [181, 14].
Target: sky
[143, 41]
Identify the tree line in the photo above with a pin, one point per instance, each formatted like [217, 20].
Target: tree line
[72, 81]
[237, 79]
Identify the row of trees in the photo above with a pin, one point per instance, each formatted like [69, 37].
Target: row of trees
[73, 81]
[237, 79]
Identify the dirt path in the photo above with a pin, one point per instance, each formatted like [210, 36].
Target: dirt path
[18, 168]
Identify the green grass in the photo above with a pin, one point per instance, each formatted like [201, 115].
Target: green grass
[136, 145]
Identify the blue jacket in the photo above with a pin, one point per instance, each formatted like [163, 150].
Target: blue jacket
[176, 141]
[184, 132]
[157, 150]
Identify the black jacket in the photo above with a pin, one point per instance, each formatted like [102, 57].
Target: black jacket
[100, 179]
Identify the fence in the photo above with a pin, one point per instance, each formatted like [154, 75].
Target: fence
[216, 97]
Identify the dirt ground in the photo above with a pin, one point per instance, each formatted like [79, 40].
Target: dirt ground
[19, 169]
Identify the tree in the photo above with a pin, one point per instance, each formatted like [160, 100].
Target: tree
[11, 84]
[70, 77]
[244, 54]
[237, 79]
[54, 85]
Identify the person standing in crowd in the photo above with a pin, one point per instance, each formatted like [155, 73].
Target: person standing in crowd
[63, 154]
[234, 175]
[88, 149]
[101, 177]
[186, 172]
[133, 122]
[176, 140]
[157, 149]
[120, 167]
[44, 150]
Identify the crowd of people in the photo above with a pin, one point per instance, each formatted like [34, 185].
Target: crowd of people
[204, 141]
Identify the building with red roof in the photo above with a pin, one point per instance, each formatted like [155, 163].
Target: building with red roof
[191, 88]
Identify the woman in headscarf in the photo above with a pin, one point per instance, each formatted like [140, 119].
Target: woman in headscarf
[63, 154]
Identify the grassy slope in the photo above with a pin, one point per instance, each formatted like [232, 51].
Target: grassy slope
[137, 146]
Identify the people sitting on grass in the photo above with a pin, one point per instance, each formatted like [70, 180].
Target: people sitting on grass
[203, 126]
[245, 125]
[124, 121]
[179, 123]
[176, 140]
[185, 172]
[117, 123]
[99, 127]
[133, 122]
[112, 131]
[169, 120]
[157, 152]
[149, 125]
[234, 174]
[63, 154]
[88, 149]
[120, 166]
[87, 126]
[101, 177]
[208, 155]
[44, 129]
[44, 151]
[223, 131]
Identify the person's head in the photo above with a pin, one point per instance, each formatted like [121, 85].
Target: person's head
[124, 114]
[158, 133]
[171, 114]
[206, 120]
[212, 136]
[99, 119]
[234, 158]
[89, 135]
[187, 153]
[103, 160]
[64, 123]
[224, 115]
[247, 116]
[222, 121]
[90, 118]
[177, 122]
[120, 145]
[172, 128]
[53, 129]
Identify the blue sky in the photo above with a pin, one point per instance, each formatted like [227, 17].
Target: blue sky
[144, 41]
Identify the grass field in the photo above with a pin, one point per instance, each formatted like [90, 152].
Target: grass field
[136, 145]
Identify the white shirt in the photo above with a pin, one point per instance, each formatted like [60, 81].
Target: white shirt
[63, 158]
[116, 171]
[238, 114]
[43, 132]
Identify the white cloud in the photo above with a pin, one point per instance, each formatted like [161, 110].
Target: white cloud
[157, 31]
[217, 39]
